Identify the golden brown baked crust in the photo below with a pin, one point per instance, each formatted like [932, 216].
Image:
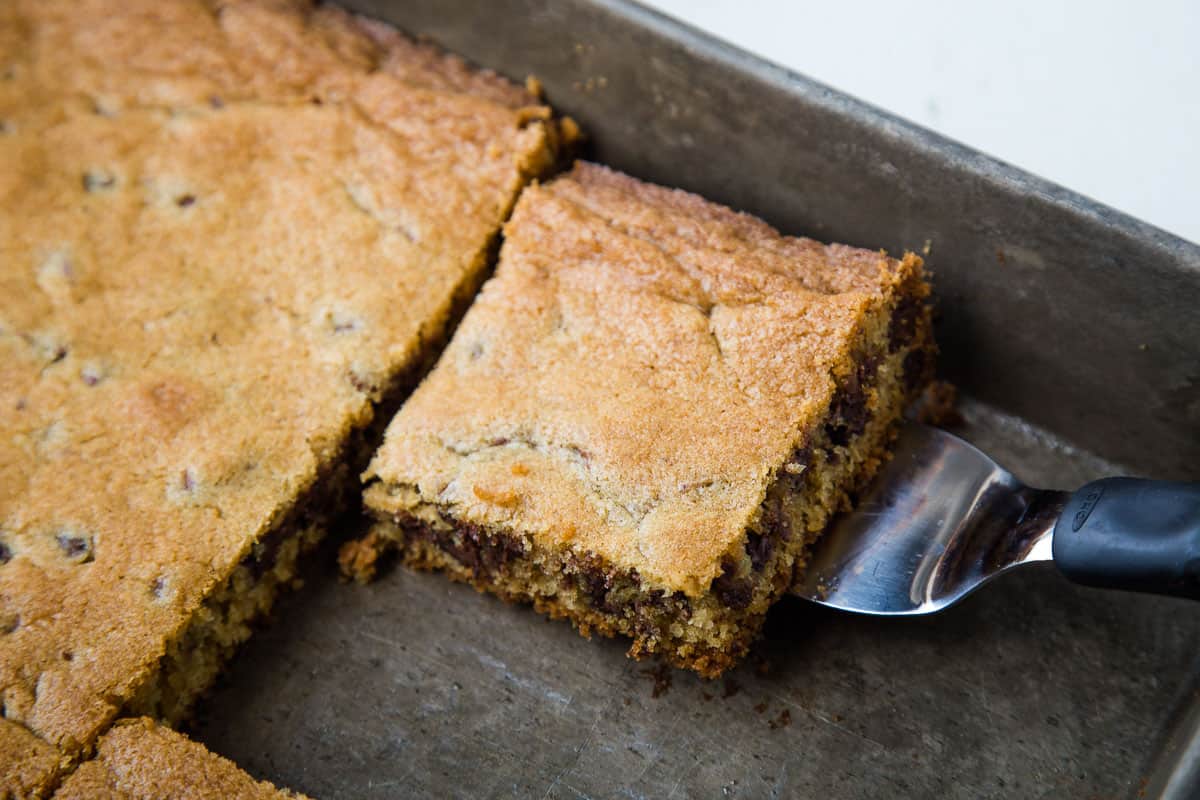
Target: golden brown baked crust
[650, 412]
[138, 759]
[227, 228]
[633, 377]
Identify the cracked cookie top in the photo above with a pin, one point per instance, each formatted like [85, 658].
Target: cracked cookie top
[630, 381]
[226, 228]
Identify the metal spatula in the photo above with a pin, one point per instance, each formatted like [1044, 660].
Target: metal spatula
[942, 519]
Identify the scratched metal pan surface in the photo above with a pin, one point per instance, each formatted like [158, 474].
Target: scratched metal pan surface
[1072, 329]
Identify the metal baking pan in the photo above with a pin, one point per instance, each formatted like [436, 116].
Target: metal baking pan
[1074, 332]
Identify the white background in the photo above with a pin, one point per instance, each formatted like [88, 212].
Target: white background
[1102, 97]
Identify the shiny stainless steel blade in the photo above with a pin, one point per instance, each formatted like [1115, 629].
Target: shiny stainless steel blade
[939, 520]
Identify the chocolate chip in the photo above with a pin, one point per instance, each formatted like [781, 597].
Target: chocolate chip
[98, 180]
[734, 592]
[848, 412]
[848, 416]
[343, 323]
[6, 127]
[6, 553]
[45, 345]
[683, 604]
[582, 454]
[216, 102]
[759, 548]
[868, 368]
[654, 599]
[91, 374]
[475, 351]
[185, 200]
[479, 550]
[187, 480]
[76, 547]
[485, 552]
[792, 475]
[265, 552]
[495, 550]
[158, 588]
[361, 383]
[916, 366]
[595, 582]
[903, 325]
[467, 547]
[776, 521]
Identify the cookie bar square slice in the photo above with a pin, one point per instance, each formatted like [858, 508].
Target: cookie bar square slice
[231, 233]
[140, 760]
[650, 413]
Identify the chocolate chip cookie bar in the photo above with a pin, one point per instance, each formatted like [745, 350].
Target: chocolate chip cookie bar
[140, 760]
[650, 413]
[230, 233]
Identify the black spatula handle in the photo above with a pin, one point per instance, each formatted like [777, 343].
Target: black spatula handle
[1128, 533]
